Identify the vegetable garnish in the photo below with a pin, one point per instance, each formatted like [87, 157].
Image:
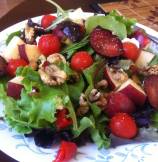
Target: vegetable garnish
[61, 15]
[79, 80]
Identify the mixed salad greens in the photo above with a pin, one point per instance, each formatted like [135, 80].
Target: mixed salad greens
[79, 79]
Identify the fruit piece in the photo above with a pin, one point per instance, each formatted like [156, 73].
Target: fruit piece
[81, 60]
[32, 52]
[144, 59]
[142, 38]
[49, 44]
[115, 77]
[69, 31]
[131, 51]
[133, 91]
[66, 152]
[62, 120]
[14, 87]
[14, 64]
[151, 89]
[3, 66]
[12, 52]
[119, 102]
[123, 125]
[105, 43]
[47, 20]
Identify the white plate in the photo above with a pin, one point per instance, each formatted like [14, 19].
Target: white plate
[142, 149]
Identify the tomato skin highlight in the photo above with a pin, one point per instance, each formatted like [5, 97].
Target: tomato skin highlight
[13, 64]
[131, 51]
[81, 60]
[66, 152]
[47, 20]
[49, 44]
[123, 125]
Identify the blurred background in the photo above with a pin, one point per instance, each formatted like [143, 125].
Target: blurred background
[7, 5]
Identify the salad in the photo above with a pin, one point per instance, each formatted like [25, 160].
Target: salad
[73, 80]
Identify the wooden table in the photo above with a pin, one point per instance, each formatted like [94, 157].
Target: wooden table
[31, 8]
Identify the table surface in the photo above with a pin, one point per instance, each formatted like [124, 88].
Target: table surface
[31, 8]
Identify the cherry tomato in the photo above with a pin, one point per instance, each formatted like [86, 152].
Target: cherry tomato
[47, 20]
[81, 60]
[123, 125]
[131, 51]
[66, 152]
[62, 120]
[13, 64]
[49, 44]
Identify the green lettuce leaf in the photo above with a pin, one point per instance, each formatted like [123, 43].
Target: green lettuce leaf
[76, 89]
[108, 22]
[35, 111]
[10, 36]
[129, 23]
[89, 74]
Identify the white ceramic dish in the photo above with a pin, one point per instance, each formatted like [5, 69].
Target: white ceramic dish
[142, 149]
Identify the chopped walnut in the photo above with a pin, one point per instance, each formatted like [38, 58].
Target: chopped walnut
[51, 74]
[94, 95]
[84, 107]
[150, 70]
[82, 110]
[29, 34]
[56, 58]
[83, 100]
[102, 102]
[102, 84]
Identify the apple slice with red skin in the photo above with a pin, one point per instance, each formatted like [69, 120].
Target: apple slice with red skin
[14, 87]
[133, 91]
[115, 77]
[151, 89]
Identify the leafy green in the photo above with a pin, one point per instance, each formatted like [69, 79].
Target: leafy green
[89, 74]
[72, 48]
[35, 111]
[95, 109]
[154, 119]
[10, 36]
[129, 23]
[76, 89]
[98, 133]
[100, 138]
[108, 22]
[154, 61]
[85, 123]
[61, 15]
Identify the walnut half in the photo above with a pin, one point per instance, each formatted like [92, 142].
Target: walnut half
[51, 74]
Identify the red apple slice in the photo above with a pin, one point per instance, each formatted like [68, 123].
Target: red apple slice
[115, 77]
[151, 88]
[14, 87]
[133, 91]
